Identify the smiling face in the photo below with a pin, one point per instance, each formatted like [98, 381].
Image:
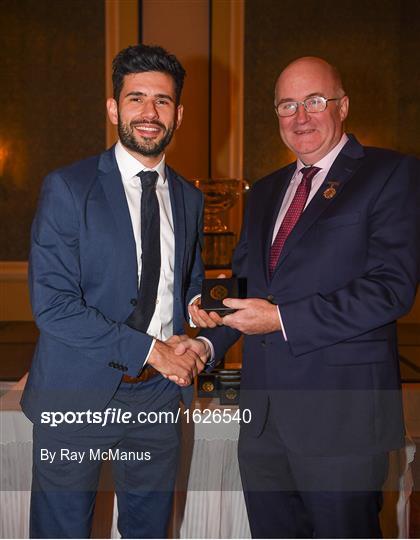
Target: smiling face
[146, 115]
[311, 136]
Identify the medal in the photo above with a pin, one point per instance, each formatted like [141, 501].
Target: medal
[219, 292]
[329, 193]
[331, 190]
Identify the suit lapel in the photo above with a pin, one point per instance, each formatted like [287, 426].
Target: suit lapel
[112, 185]
[178, 215]
[341, 171]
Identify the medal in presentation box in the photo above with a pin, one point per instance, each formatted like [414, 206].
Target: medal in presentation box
[220, 383]
[214, 291]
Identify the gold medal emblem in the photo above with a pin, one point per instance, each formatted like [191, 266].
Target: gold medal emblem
[231, 393]
[329, 193]
[219, 292]
[208, 386]
[331, 190]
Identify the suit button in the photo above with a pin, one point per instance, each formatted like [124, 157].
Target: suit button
[133, 301]
[270, 298]
[263, 344]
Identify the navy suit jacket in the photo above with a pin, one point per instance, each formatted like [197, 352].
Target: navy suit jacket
[83, 277]
[347, 271]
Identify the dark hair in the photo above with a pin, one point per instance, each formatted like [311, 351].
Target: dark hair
[141, 58]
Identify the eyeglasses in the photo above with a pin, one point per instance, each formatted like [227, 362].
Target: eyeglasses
[312, 104]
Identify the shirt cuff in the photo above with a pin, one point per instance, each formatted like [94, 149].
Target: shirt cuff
[281, 324]
[210, 361]
[149, 353]
[190, 321]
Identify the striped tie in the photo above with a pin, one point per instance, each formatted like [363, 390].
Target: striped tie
[292, 215]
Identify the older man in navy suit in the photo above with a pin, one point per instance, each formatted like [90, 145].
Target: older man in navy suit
[115, 261]
[330, 249]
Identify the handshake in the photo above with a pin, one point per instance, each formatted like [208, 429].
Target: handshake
[180, 358]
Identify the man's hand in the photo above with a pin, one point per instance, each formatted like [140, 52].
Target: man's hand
[253, 316]
[201, 318]
[180, 368]
[199, 346]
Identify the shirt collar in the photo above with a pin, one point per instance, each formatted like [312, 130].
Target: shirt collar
[328, 160]
[129, 166]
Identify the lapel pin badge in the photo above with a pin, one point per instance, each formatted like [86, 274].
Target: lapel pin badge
[331, 190]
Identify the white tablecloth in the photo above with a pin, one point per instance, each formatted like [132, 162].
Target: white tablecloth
[214, 505]
[15, 465]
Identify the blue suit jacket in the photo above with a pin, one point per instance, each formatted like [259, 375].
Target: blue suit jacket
[347, 271]
[83, 276]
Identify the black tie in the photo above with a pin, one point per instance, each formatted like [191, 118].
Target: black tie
[150, 253]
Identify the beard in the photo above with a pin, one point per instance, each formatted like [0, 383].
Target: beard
[147, 147]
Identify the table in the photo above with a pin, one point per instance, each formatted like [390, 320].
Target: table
[209, 502]
[15, 465]
[215, 505]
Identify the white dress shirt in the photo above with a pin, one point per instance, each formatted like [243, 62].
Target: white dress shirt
[161, 324]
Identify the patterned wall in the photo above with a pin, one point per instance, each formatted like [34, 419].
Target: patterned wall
[376, 46]
[51, 102]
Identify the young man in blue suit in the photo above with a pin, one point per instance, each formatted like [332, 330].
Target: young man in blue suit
[330, 249]
[115, 261]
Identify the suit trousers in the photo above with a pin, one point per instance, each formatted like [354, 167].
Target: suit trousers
[144, 458]
[291, 495]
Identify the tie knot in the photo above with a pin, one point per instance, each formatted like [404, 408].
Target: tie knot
[308, 173]
[148, 179]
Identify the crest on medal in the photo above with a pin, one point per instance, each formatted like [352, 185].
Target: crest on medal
[231, 394]
[331, 190]
[219, 292]
[208, 386]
